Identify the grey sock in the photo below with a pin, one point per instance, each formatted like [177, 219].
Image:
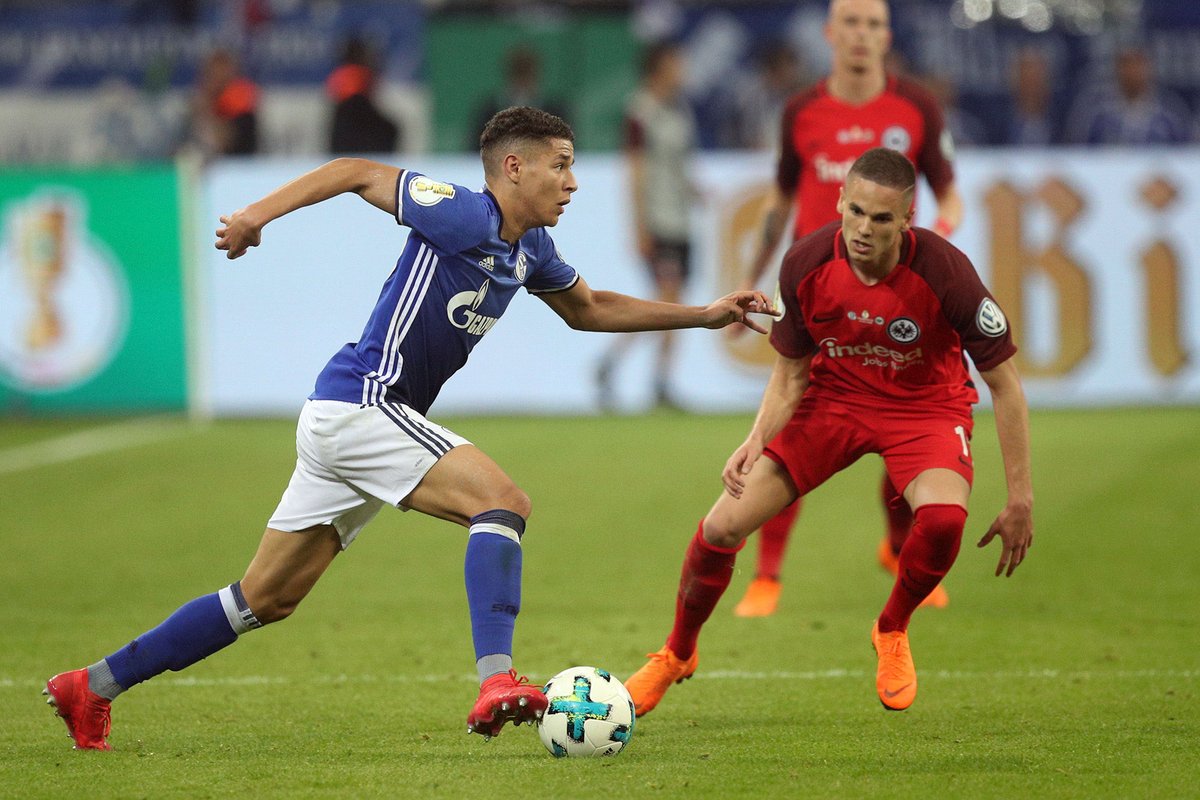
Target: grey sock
[493, 664]
[102, 682]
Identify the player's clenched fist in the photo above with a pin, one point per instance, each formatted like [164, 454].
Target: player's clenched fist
[238, 233]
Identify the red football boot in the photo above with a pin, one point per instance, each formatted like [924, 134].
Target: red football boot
[87, 714]
[504, 697]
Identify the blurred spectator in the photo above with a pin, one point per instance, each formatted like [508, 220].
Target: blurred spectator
[660, 137]
[129, 125]
[1133, 111]
[522, 87]
[1031, 123]
[965, 127]
[358, 125]
[758, 101]
[224, 108]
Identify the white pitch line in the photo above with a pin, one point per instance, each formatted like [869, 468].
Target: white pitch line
[91, 442]
[718, 675]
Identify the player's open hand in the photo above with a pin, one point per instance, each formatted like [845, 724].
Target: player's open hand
[738, 467]
[735, 306]
[736, 331]
[238, 233]
[1014, 526]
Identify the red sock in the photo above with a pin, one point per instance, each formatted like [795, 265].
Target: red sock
[773, 539]
[899, 515]
[926, 558]
[707, 570]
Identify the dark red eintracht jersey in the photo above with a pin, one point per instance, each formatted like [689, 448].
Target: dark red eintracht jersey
[899, 343]
[822, 136]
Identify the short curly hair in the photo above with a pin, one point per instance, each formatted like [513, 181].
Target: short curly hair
[516, 126]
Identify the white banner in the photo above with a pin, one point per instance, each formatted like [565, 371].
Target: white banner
[1091, 255]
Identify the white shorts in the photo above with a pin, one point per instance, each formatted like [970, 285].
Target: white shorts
[351, 459]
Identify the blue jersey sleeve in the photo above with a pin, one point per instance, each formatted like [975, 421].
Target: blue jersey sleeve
[452, 218]
[552, 273]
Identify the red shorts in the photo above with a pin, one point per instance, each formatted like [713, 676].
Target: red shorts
[825, 436]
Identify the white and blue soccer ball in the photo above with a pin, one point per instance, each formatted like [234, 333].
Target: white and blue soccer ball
[590, 714]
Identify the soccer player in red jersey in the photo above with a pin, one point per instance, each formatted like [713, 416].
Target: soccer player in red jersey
[857, 107]
[878, 318]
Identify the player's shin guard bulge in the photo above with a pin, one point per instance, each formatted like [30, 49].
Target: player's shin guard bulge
[707, 570]
[505, 698]
[899, 527]
[926, 558]
[87, 715]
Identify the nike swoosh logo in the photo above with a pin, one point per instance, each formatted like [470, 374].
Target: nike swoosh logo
[890, 695]
[827, 318]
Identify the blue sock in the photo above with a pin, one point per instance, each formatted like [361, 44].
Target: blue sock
[195, 631]
[493, 575]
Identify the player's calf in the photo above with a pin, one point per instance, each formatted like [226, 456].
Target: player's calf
[926, 558]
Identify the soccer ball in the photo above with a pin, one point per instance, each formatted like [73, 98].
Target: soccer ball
[590, 714]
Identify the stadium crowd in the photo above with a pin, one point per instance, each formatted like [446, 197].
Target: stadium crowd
[220, 99]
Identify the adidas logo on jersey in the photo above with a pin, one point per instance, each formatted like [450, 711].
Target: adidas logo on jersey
[488, 263]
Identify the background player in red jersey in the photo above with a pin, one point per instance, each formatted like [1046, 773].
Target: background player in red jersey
[825, 128]
[877, 319]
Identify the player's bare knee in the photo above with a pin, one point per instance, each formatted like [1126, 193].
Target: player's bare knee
[720, 535]
[513, 499]
[521, 505]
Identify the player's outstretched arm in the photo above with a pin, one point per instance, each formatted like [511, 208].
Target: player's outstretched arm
[1014, 526]
[374, 182]
[586, 309]
[788, 381]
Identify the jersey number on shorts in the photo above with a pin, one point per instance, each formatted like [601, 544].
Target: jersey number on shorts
[962, 434]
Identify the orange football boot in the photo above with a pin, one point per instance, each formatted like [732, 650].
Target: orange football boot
[762, 597]
[895, 677]
[648, 685]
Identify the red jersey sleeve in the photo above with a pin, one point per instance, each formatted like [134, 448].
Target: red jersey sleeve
[787, 172]
[789, 334]
[967, 304]
[934, 160]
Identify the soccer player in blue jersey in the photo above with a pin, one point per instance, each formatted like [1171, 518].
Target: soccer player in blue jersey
[363, 440]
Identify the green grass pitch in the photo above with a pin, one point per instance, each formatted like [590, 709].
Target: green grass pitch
[1078, 677]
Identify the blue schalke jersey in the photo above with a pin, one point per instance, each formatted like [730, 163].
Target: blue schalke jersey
[452, 282]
